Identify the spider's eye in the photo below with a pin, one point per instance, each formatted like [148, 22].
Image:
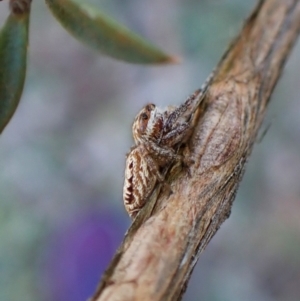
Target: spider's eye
[150, 107]
[144, 116]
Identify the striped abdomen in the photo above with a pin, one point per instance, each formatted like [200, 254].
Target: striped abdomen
[141, 174]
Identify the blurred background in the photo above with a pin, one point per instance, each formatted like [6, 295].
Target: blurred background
[63, 155]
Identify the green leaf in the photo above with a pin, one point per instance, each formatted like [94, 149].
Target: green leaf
[102, 33]
[13, 56]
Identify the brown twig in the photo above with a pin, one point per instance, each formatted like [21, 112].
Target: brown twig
[163, 244]
[19, 7]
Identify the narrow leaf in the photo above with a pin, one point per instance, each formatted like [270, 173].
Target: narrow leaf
[13, 56]
[102, 33]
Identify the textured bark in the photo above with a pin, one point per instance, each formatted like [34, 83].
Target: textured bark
[164, 242]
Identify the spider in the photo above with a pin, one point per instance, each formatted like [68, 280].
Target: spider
[158, 133]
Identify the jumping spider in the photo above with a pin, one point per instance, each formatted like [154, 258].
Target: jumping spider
[158, 133]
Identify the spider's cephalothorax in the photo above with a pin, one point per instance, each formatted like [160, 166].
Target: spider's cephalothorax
[147, 124]
[164, 127]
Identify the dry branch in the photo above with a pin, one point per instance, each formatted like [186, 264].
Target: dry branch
[163, 244]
